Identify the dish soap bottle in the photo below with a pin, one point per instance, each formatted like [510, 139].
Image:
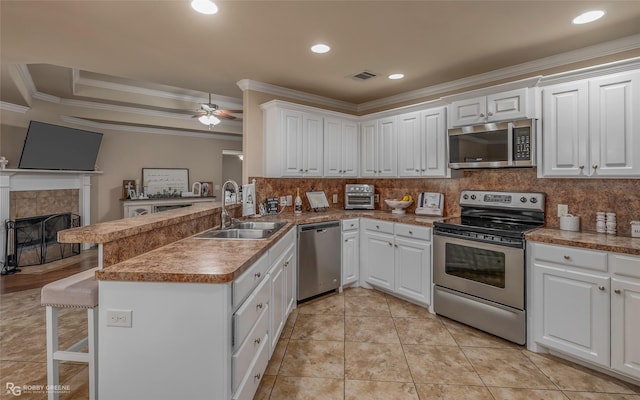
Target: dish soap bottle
[297, 208]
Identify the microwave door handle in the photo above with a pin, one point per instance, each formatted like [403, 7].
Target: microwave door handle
[510, 144]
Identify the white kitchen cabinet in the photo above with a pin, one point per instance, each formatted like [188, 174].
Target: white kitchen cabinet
[340, 147]
[378, 148]
[277, 303]
[421, 143]
[397, 258]
[289, 268]
[586, 303]
[350, 252]
[512, 104]
[590, 127]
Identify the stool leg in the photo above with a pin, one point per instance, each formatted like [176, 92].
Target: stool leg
[52, 347]
[92, 324]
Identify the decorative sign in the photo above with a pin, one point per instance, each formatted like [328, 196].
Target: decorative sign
[165, 182]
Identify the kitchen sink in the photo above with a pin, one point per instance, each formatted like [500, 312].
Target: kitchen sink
[244, 230]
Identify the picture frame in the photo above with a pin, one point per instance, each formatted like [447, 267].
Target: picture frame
[165, 181]
[126, 185]
[207, 189]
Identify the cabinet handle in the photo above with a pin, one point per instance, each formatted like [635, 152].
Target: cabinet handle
[482, 114]
[489, 113]
[567, 258]
[581, 167]
[257, 341]
[410, 232]
[306, 170]
[390, 244]
[594, 166]
[300, 169]
[259, 306]
[601, 288]
[352, 225]
[423, 169]
[417, 170]
[396, 246]
[257, 376]
[377, 226]
[257, 275]
[616, 291]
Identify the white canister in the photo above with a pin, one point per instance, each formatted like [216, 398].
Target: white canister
[635, 228]
[570, 223]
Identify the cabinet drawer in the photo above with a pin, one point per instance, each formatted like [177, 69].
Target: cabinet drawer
[378, 226]
[252, 379]
[241, 359]
[580, 258]
[624, 264]
[276, 250]
[248, 280]
[413, 231]
[350, 224]
[250, 311]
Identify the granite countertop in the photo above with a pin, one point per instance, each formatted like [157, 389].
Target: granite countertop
[588, 240]
[214, 260]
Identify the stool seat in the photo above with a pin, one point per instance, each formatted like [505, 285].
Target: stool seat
[77, 291]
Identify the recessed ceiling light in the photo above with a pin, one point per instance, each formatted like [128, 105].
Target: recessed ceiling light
[204, 6]
[587, 17]
[396, 76]
[320, 48]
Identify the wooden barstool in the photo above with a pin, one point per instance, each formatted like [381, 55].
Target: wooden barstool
[76, 291]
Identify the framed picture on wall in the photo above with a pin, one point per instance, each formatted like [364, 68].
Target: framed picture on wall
[165, 181]
[127, 184]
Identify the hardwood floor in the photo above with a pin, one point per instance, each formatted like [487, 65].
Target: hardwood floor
[36, 276]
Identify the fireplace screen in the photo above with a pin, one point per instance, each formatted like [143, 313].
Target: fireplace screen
[33, 240]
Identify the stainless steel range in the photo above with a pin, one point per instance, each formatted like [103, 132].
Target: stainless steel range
[479, 261]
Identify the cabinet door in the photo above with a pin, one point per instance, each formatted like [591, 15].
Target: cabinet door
[614, 125]
[413, 269]
[434, 136]
[565, 129]
[333, 147]
[625, 327]
[387, 147]
[468, 111]
[350, 148]
[289, 266]
[312, 149]
[507, 105]
[571, 312]
[368, 154]
[292, 142]
[377, 257]
[350, 257]
[276, 304]
[410, 146]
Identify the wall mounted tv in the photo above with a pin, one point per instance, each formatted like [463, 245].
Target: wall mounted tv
[59, 148]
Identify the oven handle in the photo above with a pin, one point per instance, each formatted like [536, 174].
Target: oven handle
[517, 245]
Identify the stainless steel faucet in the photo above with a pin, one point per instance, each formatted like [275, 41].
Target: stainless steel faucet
[224, 214]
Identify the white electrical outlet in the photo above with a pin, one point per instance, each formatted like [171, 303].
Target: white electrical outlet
[283, 201]
[289, 200]
[121, 318]
[563, 210]
[335, 198]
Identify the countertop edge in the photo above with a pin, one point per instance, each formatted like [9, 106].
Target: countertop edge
[586, 240]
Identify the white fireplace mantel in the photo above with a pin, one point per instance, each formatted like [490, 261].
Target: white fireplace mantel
[38, 179]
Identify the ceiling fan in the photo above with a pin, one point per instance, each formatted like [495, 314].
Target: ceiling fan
[210, 114]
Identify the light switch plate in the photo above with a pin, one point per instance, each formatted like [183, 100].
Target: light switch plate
[563, 210]
[335, 198]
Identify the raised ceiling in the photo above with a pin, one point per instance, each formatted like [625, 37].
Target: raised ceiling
[166, 45]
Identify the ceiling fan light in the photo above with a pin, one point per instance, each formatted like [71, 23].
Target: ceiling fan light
[207, 7]
[209, 120]
[587, 17]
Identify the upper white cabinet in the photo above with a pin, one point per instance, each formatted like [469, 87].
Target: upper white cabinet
[512, 104]
[421, 143]
[590, 128]
[340, 147]
[293, 141]
[378, 147]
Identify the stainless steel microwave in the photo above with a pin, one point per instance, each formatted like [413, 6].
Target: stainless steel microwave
[496, 145]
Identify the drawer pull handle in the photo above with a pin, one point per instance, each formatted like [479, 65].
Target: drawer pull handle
[410, 232]
[390, 244]
[601, 288]
[257, 341]
[259, 306]
[257, 275]
[377, 226]
[567, 258]
[257, 376]
[616, 291]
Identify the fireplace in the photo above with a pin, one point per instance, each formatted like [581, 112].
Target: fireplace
[33, 240]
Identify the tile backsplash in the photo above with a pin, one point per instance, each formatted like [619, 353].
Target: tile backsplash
[583, 196]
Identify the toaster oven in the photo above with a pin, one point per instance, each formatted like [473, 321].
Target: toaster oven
[359, 197]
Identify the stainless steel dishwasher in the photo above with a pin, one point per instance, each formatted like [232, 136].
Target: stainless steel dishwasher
[318, 258]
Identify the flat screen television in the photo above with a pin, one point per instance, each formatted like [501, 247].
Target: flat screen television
[59, 148]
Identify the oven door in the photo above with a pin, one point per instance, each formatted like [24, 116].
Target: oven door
[485, 270]
[359, 201]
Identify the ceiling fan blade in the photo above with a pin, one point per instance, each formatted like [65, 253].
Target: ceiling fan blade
[225, 114]
[233, 111]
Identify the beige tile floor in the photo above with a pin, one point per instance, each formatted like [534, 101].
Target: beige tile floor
[363, 344]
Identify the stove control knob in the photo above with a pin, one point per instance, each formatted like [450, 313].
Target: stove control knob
[523, 199]
[466, 196]
[473, 197]
[533, 200]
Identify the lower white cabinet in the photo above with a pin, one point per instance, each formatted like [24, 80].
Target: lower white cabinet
[586, 304]
[282, 299]
[350, 251]
[397, 258]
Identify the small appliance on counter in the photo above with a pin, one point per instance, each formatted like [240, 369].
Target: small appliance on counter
[430, 204]
[359, 196]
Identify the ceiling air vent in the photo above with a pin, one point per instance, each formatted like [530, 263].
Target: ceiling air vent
[363, 76]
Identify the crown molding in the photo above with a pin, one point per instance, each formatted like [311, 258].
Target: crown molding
[143, 129]
[248, 84]
[592, 72]
[14, 107]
